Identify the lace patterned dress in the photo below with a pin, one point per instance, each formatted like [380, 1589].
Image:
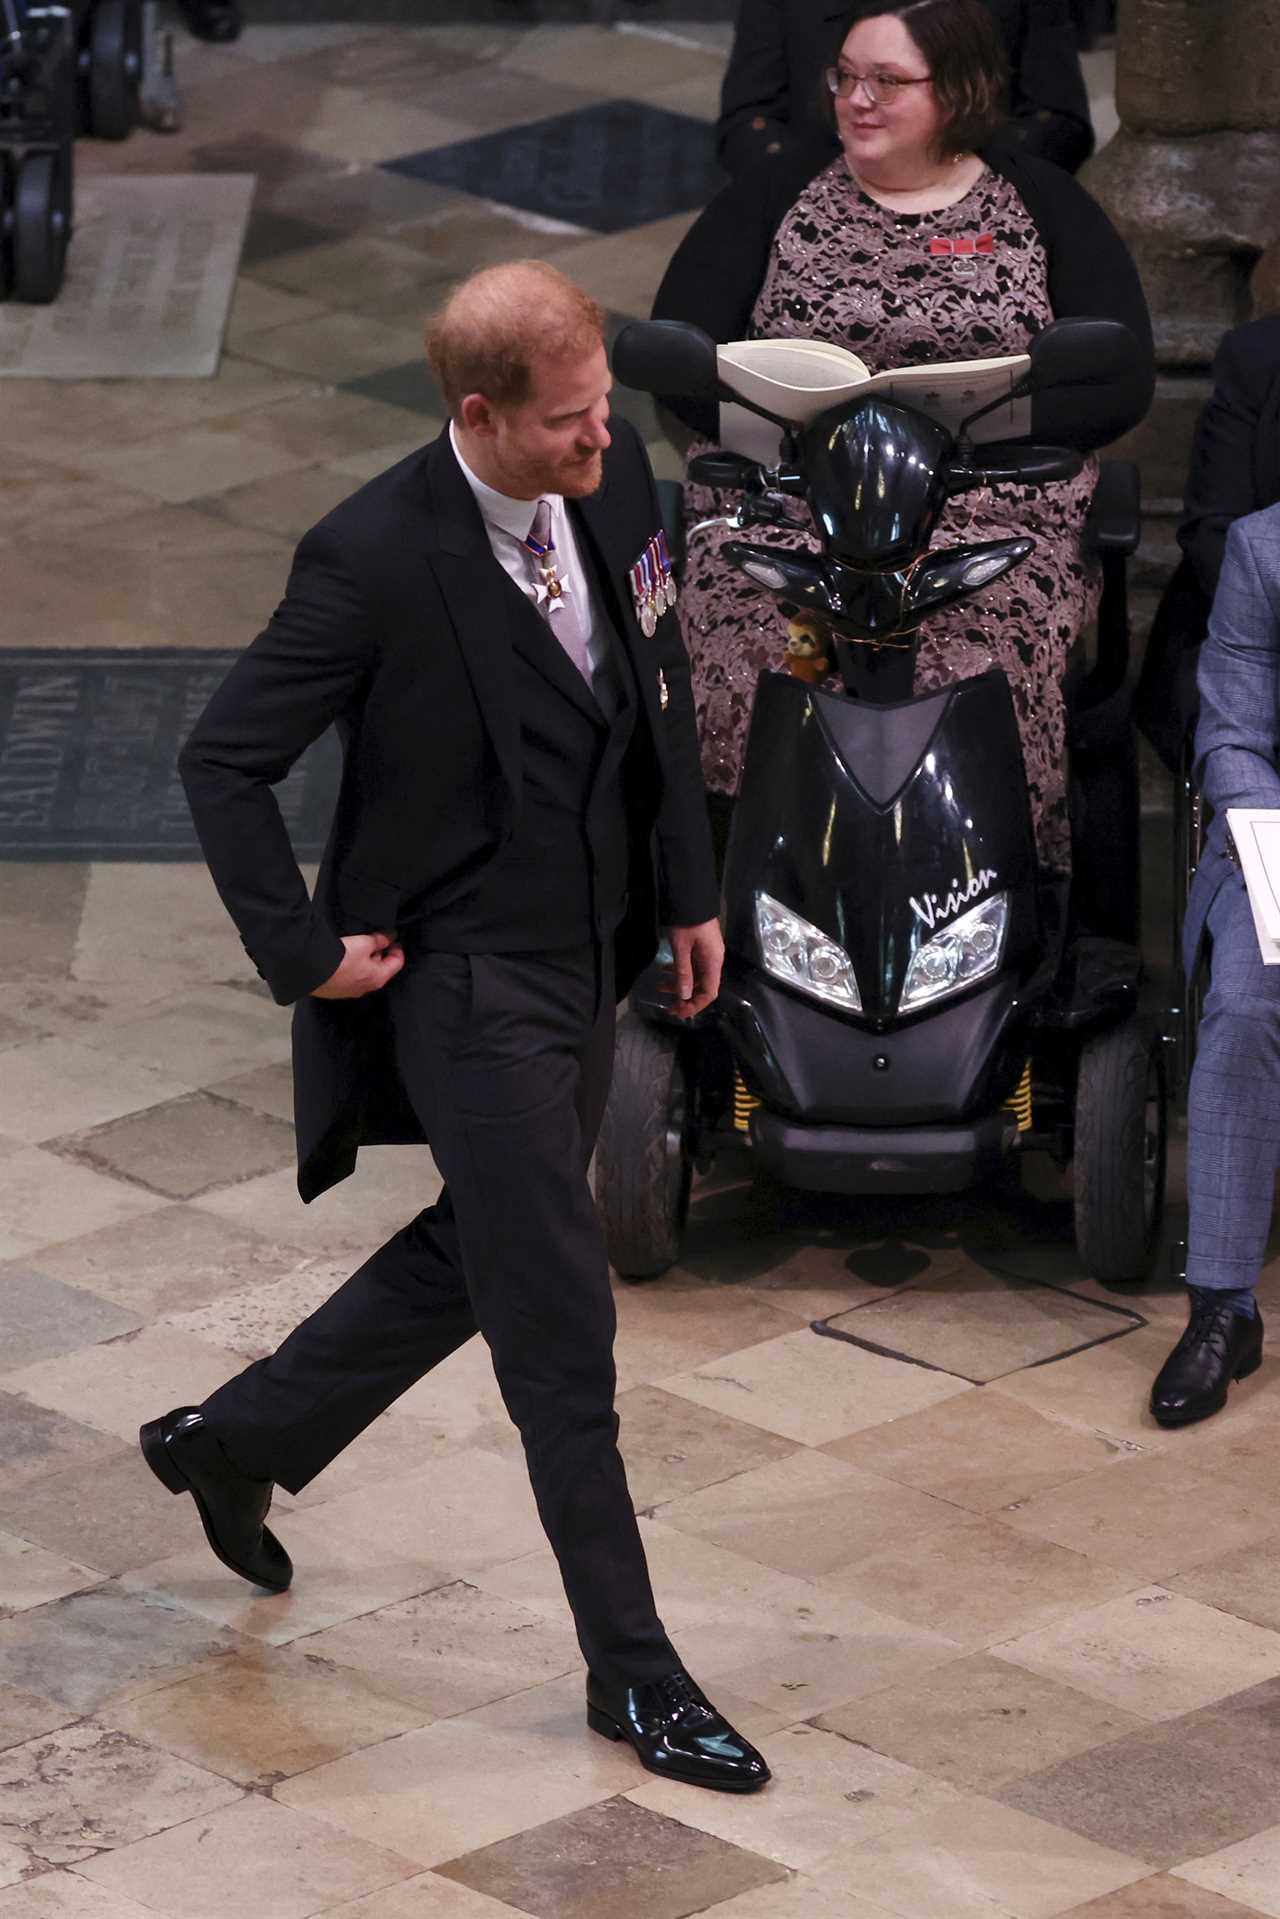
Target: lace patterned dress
[846, 269]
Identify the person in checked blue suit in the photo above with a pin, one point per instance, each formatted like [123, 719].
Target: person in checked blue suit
[1233, 1107]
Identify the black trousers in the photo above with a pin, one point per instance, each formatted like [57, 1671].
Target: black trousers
[506, 1058]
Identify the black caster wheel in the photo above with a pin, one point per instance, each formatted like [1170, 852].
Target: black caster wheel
[644, 1158]
[114, 74]
[41, 229]
[1121, 1138]
[7, 182]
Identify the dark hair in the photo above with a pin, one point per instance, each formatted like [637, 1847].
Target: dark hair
[961, 45]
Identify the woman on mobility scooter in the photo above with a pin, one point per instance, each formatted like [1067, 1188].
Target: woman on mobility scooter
[914, 247]
[901, 1007]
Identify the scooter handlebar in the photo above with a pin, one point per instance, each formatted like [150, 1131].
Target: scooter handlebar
[1012, 461]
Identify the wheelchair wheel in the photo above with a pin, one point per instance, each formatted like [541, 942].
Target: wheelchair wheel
[41, 228]
[1121, 1132]
[115, 68]
[644, 1159]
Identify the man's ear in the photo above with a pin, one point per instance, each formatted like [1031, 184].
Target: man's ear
[476, 414]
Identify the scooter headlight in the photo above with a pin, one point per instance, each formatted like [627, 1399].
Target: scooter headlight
[967, 950]
[804, 956]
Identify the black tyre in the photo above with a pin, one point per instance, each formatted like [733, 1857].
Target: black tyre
[1121, 1130]
[115, 68]
[41, 228]
[644, 1158]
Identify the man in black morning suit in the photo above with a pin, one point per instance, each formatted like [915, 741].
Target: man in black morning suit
[516, 749]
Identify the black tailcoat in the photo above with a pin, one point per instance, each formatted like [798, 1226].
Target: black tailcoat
[397, 626]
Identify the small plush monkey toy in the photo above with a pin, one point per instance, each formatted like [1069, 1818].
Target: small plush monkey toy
[807, 648]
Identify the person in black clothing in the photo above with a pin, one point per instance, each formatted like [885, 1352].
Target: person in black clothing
[518, 746]
[1234, 470]
[920, 242]
[771, 99]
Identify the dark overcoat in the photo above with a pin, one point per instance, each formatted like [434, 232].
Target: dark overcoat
[397, 627]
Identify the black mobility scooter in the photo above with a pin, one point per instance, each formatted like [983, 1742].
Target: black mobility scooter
[906, 1001]
[63, 69]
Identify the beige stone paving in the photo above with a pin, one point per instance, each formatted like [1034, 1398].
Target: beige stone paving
[913, 1591]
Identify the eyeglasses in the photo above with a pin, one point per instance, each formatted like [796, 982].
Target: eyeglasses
[882, 89]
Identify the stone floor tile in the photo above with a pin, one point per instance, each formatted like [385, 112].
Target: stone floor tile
[104, 1644]
[1245, 1583]
[65, 1895]
[979, 1722]
[331, 347]
[615, 1857]
[450, 1788]
[218, 1865]
[811, 1389]
[59, 1085]
[200, 943]
[185, 1147]
[1244, 1457]
[178, 467]
[593, 53]
[37, 493]
[1151, 1652]
[365, 271]
[449, 1650]
[624, 270]
[192, 530]
[254, 1321]
[117, 1385]
[389, 1187]
[40, 908]
[1161, 1897]
[41, 1316]
[683, 1323]
[256, 305]
[1154, 1515]
[197, 1037]
[267, 1089]
[43, 1198]
[30, 1576]
[426, 1896]
[388, 1449]
[264, 1715]
[172, 1260]
[799, 1897]
[53, 1003]
[1248, 1872]
[806, 1514]
[69, 1794]
[24, 1714]
[978, 1581]
[981, 1450]
[828, 1796]
[979, 1858]
[466, 1511]
[337, 1576]
[1164, 1794]
[110, 1513]
[673, 1447]
[288, 504]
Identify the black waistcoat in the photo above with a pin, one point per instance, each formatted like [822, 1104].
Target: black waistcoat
[562, 878]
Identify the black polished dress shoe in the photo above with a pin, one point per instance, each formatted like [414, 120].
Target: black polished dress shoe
[677, 1733]
[185, 1456]
[217, 20]
[1218, 1346]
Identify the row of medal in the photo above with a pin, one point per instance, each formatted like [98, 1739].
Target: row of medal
[653, 586]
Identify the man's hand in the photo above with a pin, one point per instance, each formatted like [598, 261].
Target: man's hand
[371, 959]
[698, 955]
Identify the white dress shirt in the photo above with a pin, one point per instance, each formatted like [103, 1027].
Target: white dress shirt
[507, 523]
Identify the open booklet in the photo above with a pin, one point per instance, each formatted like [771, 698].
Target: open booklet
[1255, 834]
[798, 379]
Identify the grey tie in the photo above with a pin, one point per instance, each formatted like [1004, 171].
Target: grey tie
[565, 613]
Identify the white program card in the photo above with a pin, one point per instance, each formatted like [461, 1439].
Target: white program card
[1255, 832]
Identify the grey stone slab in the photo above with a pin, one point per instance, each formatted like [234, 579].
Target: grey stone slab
[81, 1650]
[41, 1317]
[36, 1442]
[24, 1715]
[616, 1858]
[185, 1146]
[112, 1514]
[40, 908]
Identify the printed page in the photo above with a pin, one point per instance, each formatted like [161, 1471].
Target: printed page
[1256, 834]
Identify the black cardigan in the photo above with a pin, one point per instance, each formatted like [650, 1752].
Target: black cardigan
[771, 93]
[1235, 457]
[717, 271]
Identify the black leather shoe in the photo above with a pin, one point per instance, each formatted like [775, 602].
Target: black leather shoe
[1218, 1346]
[217, 20]
[184, 1456]
[677, 1733]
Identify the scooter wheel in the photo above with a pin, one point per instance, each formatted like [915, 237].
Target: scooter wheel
[41, 230]
[644, 1157]
[115, 68]
[1121, 1134]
